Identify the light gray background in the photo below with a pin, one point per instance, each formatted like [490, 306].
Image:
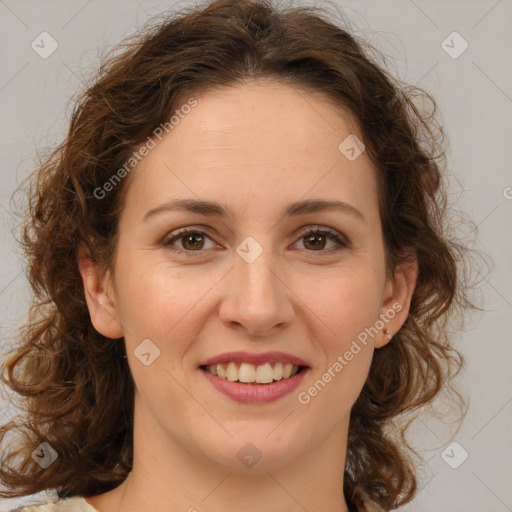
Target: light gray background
[474, 93]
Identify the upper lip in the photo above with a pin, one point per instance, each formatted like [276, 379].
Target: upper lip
[255, 358]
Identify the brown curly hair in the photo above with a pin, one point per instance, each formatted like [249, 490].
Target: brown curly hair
[75, 386]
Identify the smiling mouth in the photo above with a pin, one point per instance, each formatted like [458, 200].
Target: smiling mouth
[247, 373]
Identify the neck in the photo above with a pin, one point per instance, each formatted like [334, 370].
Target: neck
[166, 476]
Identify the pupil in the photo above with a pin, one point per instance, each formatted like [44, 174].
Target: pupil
[315, 236]
[191, 237]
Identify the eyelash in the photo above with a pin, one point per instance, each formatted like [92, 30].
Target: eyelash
[328, 233]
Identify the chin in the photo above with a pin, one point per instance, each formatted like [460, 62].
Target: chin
[253, 450]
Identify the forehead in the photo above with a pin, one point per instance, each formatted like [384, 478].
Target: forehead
[252, 145]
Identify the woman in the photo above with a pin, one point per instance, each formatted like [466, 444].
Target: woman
[242, 277]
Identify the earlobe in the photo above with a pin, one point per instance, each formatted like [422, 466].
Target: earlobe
[397, 301]
[99, 295]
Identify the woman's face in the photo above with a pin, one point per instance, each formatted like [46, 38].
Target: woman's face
[251, 280]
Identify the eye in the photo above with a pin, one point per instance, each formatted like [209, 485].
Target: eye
[193, 241]
[313, 238]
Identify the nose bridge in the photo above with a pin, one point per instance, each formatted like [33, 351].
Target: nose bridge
[257, 297]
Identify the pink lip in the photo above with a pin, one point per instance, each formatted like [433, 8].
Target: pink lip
[256, 359]
[255, 393]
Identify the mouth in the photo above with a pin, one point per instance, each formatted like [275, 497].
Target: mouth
[251, 374]
[255, 378]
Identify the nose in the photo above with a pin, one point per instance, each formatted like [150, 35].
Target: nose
[257, 299]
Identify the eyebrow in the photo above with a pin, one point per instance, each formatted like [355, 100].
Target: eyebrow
[211, 208]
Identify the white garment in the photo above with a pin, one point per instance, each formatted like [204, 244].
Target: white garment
[75, 504]
[78, 504]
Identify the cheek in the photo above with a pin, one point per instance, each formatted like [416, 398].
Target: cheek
[153, 294]
[348, 306]
[346, 301]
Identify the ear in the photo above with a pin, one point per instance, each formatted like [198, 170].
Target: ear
[100, 297]
[396, 301]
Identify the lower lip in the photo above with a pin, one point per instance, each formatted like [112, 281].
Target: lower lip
[256, 393]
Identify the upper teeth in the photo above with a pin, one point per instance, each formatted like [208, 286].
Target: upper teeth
[262, 374]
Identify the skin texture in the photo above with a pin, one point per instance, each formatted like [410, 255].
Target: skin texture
[254, 148]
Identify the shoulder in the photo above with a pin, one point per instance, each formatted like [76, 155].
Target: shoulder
[76, 504]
